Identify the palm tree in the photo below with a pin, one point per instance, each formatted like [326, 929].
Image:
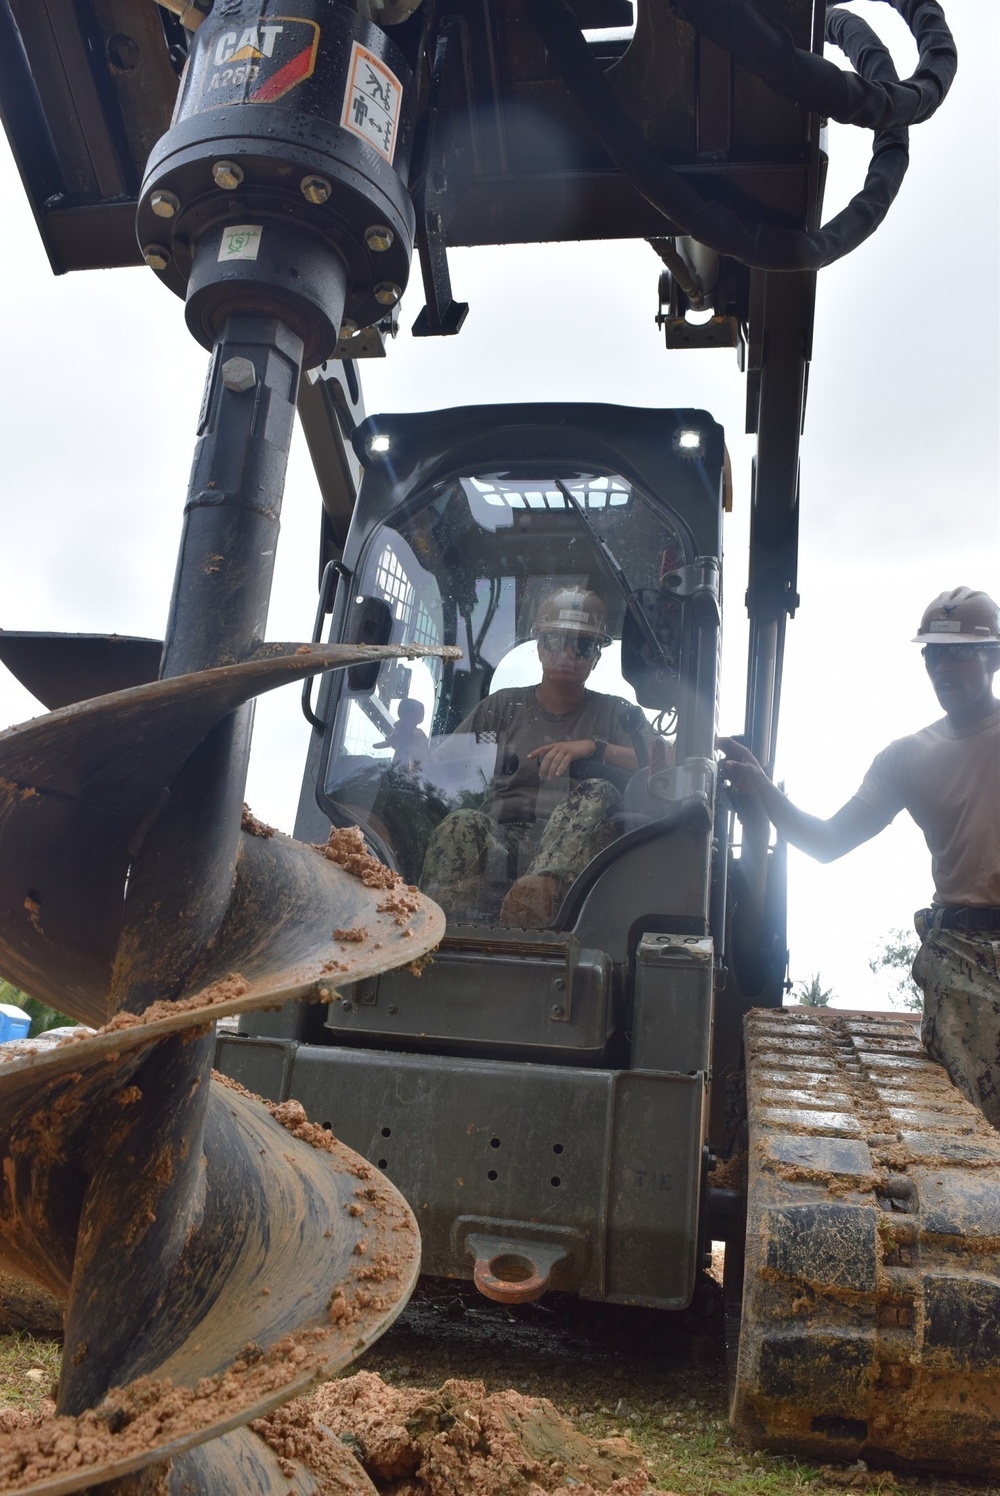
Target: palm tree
[813, 994]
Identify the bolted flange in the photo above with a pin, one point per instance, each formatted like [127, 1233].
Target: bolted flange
[287, 161]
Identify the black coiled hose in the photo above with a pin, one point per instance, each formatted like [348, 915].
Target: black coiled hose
[873, 97]
[764, 47]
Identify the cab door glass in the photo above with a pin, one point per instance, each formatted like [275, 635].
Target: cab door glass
[441, 762]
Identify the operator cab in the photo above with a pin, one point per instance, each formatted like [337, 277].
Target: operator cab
[467, 559]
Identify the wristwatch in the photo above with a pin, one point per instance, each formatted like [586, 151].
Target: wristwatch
[600, 744]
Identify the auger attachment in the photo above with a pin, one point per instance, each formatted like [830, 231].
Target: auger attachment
[214, 1259]
[179, 1220]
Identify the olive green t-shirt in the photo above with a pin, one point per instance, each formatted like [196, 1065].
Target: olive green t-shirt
[514, 721]
[948, 778]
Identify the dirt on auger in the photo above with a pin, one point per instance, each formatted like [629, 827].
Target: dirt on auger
[253, 1255]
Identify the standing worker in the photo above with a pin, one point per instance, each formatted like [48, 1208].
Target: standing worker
[948, 777]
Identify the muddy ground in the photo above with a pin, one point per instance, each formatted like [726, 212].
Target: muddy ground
[656, 1379]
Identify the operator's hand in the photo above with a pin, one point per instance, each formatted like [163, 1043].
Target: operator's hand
[739, 766]
[555, 758]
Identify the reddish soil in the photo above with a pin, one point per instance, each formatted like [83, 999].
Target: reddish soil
[461, 1441]
[254, 826]
[149, 1414]
[346, 847]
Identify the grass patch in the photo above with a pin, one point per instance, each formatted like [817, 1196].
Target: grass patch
[29, 1368]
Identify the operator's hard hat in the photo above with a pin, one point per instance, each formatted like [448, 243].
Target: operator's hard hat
[573, 611]
[961, 616]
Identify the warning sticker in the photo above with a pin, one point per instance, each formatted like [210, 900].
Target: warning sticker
[241, 242]
[258, 64]
[372, 101]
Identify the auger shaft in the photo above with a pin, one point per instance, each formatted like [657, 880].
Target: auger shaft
[182, 873]
[134, 1222]
[226, 560]
[181, 879]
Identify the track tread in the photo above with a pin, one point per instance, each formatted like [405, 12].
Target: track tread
[871, 1309]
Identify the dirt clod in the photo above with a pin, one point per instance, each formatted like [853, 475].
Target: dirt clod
[253, 825]
[461, 1441]
[346, 847]
[293, 1434]
[292, 1115]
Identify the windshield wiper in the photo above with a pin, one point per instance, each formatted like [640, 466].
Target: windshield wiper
[611, 567]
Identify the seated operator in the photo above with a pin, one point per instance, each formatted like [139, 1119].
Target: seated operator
[534, 812]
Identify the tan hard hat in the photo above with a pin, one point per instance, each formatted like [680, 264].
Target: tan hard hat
[573, 611]
[961, 616]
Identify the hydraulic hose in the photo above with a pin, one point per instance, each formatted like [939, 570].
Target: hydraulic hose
[760, 245]
[765, 47]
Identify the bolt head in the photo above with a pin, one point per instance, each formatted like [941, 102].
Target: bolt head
[156, 257]
[348, 329]
[556, 1010]
[315, 189]
[379, 238]
[346, 1006]
[239, 374]
[387, 293]
[165, 204]
[227, 174]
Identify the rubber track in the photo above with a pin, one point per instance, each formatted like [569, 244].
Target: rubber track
[871, 1303]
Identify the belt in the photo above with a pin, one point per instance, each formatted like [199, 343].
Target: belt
[954, 917]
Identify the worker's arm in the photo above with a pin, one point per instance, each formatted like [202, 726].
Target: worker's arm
[555, 758]
[827, 840]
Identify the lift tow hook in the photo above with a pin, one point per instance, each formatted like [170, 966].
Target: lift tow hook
[514, 1272]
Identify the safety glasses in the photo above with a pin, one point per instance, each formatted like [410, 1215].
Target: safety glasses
[936, 654]
[584, 646]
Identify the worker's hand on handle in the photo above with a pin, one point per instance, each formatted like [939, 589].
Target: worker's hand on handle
[741, 769]
[824, 839]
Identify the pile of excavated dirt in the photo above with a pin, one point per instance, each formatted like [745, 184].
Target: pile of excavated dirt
[461, 1441]
[357, 1437]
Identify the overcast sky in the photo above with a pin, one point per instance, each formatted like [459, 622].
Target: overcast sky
[101, 387]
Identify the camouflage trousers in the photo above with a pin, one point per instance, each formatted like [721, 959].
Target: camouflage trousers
[472, 860]
[959, 975]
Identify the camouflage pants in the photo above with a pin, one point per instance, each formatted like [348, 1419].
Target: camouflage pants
[959, 975]
[472, 860]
